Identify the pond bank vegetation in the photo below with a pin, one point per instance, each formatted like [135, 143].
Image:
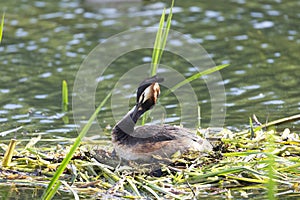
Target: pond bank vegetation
[255, 161]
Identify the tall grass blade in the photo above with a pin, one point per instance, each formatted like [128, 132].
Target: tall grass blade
[52, 192]
[161, 39]
[166, 33]
[157, 44]
[195, 76]
[9, 153]
[65, 101]
[65, 98]
[68, 157]
[144, 118]
[271, 184]
[251, 128]
[1, 27]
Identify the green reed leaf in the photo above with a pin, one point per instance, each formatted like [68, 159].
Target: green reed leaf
[1, 27]
[65, 98]
[157, 44]
[54, 181]
[194, 77]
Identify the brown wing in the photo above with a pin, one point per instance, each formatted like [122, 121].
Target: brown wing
[163, 132]
[153, 132]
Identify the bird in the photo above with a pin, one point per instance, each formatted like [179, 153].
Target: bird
[147, 143]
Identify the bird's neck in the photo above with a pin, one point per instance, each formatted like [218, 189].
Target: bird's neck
[127, 123]
[125, 127]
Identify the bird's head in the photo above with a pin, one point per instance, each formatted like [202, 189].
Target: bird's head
[147, 95]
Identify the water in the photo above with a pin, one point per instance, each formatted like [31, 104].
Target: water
[46, 42]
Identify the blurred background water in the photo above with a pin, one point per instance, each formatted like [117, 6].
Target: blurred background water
[45, 42]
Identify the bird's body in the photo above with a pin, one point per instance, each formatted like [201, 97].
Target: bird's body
[163, 141]
[144, 143]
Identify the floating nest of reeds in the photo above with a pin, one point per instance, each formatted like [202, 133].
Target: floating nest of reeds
[243, 164]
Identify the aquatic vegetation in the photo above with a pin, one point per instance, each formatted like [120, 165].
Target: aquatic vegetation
[1, 27]
[55, 183]
[65, 98]
[267, 164]
[161, 39]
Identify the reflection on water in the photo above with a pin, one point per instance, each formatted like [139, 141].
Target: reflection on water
[45, 43]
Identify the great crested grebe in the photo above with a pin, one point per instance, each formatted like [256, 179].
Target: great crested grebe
[145, 142]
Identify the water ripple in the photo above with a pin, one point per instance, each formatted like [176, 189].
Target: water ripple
[263, 24]
[12, 106]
